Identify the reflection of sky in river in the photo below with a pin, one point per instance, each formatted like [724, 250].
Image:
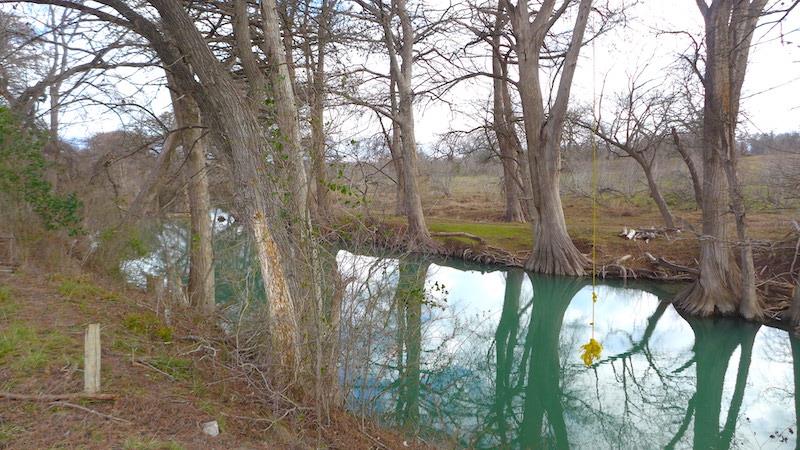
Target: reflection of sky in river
[639, 401]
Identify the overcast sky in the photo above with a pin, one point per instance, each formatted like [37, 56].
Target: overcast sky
[770, 99]
[771, 96]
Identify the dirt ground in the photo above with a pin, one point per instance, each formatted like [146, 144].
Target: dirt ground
[474, 204]
[165, 385]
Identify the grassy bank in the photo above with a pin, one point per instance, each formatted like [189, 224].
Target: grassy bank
[166, 380]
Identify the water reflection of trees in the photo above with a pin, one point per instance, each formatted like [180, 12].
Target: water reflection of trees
[516, 381]
[409, 298]
[543, 395]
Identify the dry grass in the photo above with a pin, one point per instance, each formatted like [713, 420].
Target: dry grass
[474, 204]
[165, 386]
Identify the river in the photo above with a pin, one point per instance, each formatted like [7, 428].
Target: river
[491, 358]
[485, 357]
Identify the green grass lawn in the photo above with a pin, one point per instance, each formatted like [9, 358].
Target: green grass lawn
[510, 236]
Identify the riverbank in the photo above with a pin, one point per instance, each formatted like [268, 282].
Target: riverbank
[669, 255]
[166, 379]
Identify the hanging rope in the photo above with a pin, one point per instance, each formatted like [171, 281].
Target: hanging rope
[593, 349]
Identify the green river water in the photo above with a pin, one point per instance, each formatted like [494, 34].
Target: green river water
[483, 357]
[492, 359]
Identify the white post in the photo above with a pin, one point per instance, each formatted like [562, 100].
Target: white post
[91, 359]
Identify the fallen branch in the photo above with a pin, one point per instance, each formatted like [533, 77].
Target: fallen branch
[89, 410]
[56, 397]
[670, 265]
[459, 234]
[146, 364]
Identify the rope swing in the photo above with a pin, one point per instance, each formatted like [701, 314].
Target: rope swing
[593, 348]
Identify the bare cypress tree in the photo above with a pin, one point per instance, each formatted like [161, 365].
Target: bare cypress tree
[201, 287]
[723, 287]
[638, 129]
[553, 249]
[503, 121]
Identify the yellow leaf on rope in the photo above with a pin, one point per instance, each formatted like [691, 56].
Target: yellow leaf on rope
[591, 352]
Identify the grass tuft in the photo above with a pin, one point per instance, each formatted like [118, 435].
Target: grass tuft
[8, 432]
[136, 443]
[24, 349]
[7, 305]
[178, 368]
[148, 324]
[81, 289]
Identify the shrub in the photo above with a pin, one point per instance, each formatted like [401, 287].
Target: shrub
[22, 176]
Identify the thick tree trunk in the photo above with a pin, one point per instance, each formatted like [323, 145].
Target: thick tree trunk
[553, 249]
[418, 229]
[418, 234]
[523, 168]
[722, 286]
[315, 63]
[256, 80]
[242, 143]
[287, 118]
[717, 287]
[201, 287]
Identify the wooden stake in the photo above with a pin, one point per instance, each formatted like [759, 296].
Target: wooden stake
[91, 359]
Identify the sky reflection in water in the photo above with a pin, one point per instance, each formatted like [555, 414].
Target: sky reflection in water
[493, 360]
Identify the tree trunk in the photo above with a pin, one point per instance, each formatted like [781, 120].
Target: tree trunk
[418, 234]
[717, 287]
[655, 192]
[397, 153]
[201, 287]
[240, 138]
[687, 159]
[553, 249]
[722, 286]
[794, 309]
[503, 129]
[55, 101]
[749, 307]
[316, 73]
[283, 92]
[321, 205]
